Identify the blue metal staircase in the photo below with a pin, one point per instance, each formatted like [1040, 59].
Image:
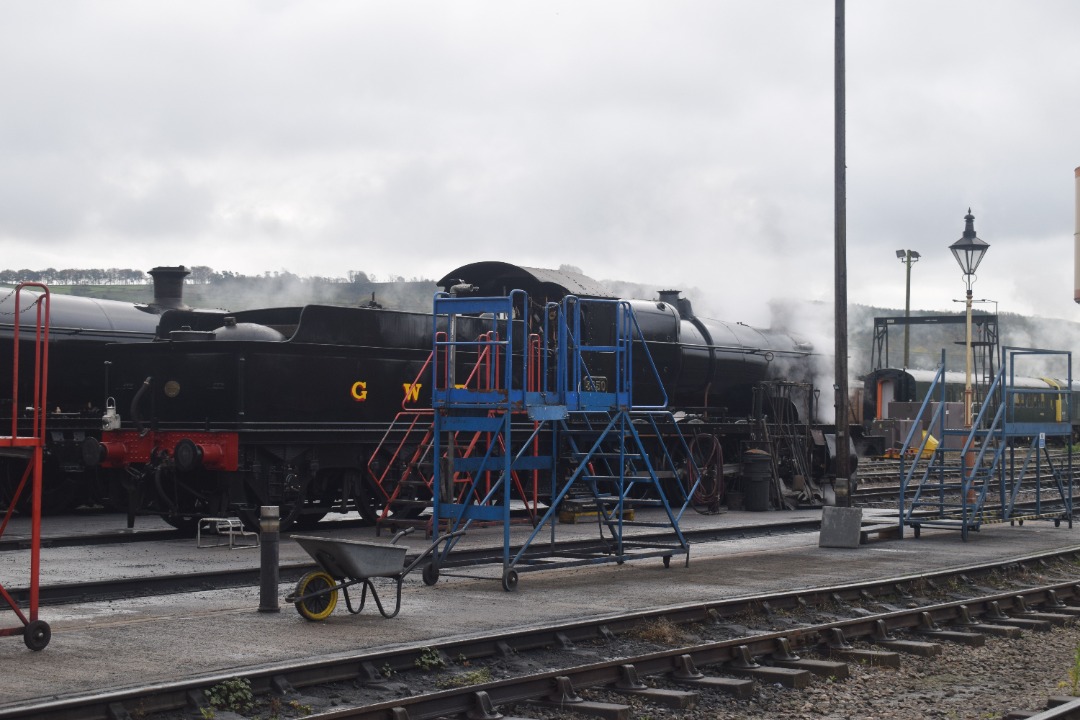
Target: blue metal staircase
[1002, 452]
[559, 399]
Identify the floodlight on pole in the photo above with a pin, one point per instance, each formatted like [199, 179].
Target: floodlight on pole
[907, 257]
[968, 251]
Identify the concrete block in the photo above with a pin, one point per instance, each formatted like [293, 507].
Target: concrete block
[840, 527]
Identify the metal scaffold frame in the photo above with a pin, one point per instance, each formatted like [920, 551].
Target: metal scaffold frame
[576, 421]
[28, 443]
[1006, 443]
[409, 448]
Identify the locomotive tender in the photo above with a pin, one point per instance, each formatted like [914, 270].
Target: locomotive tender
[314, 408]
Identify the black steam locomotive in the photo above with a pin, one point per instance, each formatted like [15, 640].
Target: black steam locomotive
[315, 409]
[80, 328]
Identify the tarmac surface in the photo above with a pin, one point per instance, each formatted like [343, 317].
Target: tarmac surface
[119, 644]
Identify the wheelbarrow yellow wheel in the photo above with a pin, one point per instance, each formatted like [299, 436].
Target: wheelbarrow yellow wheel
[320, 605]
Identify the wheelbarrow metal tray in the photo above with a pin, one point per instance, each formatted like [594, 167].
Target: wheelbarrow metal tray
[354, 559]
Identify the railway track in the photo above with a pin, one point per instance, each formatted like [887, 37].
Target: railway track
[876, 469]
[879, 488]
[463, 558]
[53, 594]
[879, 484]
[661, 661]
[79, 538]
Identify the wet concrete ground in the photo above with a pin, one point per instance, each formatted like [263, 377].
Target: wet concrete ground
[123, 643]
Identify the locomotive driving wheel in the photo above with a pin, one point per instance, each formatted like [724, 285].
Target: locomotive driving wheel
[364, 495]
[185, 510]
[706, 483]
[290, 504]
[186, 524]
[61, 492]
[331, 490]
[181, 499]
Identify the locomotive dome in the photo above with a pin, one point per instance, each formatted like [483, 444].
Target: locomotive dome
[233, 330]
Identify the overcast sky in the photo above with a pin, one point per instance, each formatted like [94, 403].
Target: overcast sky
[676, 143]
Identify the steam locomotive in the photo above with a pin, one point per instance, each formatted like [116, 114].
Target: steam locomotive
[80, 329]
[314, 408]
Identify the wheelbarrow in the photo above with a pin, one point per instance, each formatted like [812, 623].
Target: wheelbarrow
[344, 563]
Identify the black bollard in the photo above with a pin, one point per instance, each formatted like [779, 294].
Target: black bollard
[269, 539]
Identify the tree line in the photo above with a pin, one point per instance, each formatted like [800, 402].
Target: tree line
[200, 275]
[76, 276]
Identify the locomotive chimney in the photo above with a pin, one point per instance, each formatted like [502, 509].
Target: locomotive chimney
[169, 287]
[671, 297]
[1076, 243]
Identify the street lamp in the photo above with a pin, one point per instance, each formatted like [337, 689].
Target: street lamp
[968, 251]
[907, 257]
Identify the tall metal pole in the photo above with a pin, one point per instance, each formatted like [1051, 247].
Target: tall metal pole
[907, 257]
[967, 362]
[843, 472]
[907, 315]
[1076, 241]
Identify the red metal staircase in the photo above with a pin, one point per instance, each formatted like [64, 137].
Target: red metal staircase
[26, 441]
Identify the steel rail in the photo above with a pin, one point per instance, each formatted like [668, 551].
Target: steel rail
[611, 673]
[363, 666]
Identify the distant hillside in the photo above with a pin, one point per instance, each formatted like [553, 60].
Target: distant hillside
[928, 340]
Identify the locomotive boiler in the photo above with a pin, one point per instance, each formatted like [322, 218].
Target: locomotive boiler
[80, 329]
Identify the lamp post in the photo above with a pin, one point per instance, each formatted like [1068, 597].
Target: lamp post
[907, 257]
[968, 251]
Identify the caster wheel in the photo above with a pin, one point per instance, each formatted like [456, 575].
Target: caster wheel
[37, 634]
[1021, 523]
[917, 529]
[1057, 523]
[667, 561]
[431, 574]
[510, 580]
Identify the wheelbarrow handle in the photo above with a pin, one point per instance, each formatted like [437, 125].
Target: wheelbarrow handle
[400, 534]
[430, 549]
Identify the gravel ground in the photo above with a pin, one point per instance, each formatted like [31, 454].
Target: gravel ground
[962, 683]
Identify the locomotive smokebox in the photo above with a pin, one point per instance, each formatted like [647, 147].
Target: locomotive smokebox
[169, 287]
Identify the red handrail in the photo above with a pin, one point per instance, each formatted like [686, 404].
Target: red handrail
[35, 633]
